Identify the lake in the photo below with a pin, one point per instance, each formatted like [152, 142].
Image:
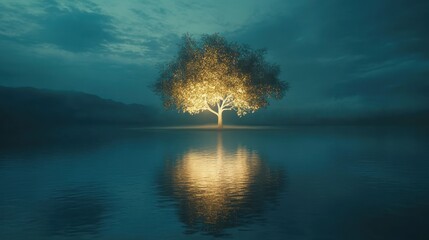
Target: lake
[290, 183]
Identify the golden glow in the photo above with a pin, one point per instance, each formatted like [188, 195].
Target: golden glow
[211, 81]
[216, 188]
[216, 181]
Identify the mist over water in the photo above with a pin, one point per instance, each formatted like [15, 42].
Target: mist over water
[296, 183]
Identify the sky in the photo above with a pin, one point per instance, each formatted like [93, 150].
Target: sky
[340, 57]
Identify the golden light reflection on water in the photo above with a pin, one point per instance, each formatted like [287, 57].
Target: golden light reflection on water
[218, 188]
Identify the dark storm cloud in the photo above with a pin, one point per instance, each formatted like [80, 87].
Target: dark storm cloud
[352, 55]
[76, 30]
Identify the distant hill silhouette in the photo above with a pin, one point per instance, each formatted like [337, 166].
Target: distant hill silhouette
[27, 108]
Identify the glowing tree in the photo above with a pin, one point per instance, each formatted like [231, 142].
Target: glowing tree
[215, 75]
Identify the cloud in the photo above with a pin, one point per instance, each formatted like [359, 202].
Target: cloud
[143, 29]
[349, 56]
[75, 30]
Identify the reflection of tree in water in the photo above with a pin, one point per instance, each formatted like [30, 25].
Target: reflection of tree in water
[217, 189]
[77, 211]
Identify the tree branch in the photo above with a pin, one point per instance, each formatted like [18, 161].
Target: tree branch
[226, 101]
[229, 104]
[209, 108]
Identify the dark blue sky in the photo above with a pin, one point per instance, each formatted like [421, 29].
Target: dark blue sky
[340, 57]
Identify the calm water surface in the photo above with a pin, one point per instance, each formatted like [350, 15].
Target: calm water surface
[293, 183]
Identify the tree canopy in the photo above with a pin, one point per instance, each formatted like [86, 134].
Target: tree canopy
[216, 75]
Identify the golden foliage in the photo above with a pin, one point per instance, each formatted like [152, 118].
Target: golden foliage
[215, 83]
[214, 77]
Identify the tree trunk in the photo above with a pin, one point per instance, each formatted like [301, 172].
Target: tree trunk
[219, 120]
